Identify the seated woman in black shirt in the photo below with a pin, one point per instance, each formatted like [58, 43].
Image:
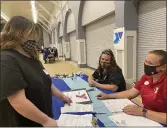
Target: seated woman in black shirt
[108, 75]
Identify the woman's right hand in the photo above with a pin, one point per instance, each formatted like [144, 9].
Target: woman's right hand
[50, 123]
[102, 96]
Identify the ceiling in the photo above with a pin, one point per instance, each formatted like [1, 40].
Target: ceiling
[23, 8]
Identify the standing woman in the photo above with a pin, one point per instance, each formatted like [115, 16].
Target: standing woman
[26, 89]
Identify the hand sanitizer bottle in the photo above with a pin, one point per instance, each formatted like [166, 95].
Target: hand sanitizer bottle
[75, 77]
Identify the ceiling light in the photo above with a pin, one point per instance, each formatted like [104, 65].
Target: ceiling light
[4, 16]
[34, 11]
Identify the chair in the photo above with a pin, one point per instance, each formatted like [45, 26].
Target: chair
[129, 84]
[51, 58]
[136, 100]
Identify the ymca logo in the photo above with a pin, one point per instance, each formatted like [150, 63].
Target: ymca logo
[117, 36]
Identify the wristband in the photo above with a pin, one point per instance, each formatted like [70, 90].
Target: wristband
[144, 112]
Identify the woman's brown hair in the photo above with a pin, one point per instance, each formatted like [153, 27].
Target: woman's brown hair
[16, 30]
[162, 54]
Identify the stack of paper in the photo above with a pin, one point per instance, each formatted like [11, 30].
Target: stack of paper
[75, 120]
[116, 105]
[78, 96]
[77, 108]
[123, 119]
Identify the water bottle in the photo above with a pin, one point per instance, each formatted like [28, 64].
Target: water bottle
[81, 74]
[75, 77]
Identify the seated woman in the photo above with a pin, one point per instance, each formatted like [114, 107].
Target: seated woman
[45, 54]
[55, 52]
[151, 87]
[108, 76]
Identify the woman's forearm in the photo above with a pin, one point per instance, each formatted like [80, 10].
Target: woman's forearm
[157, 116]
[56, 92]
[107, 87]
[27, 109]
[129, 94]
[120, 95]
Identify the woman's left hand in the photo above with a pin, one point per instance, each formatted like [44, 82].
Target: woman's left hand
[92, 83]
[133, 110]
[66, 99]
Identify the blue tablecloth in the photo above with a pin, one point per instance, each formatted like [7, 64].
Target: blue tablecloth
[57, 104]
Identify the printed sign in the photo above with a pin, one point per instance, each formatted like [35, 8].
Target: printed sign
[119, 39]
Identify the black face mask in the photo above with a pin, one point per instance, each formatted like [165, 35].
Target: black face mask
[104, 65]
[29, 45]
[150, 70]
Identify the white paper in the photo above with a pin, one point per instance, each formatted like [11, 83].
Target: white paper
[75, 120]
[116, 105]
[73, 95]
[123, 119]
[74, 107]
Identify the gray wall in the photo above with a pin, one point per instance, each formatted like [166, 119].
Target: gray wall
[94, 10]
[61, 30]
[46, 39]
[85, 12]
[70, 22]
[126, 15]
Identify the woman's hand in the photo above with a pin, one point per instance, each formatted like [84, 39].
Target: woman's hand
[133, 110]
[102, 96]
[50, 123]
[66, 99]
[60, 95]
[92, 83]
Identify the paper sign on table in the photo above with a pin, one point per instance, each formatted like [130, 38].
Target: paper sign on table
[75, 120]
[78, 96]
[74, 107]
[116, 105]
[123, 119]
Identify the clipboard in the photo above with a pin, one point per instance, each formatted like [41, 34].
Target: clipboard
[76, 90]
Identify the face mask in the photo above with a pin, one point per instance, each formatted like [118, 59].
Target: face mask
[104, 65]
[29, 45]
[150, 70]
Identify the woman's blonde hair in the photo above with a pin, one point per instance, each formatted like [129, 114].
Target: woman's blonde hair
[17, 29]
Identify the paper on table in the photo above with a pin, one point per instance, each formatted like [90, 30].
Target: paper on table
[123, 119]
[78, 96]
[77, 108]
[116, 105]
[75, 120]
[78, 84]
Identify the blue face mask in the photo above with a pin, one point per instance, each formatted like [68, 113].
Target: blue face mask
[29, 45]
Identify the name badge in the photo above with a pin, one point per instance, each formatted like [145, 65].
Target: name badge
[146, 83]
[45, 72]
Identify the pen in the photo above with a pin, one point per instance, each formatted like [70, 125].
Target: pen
[117, 111]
